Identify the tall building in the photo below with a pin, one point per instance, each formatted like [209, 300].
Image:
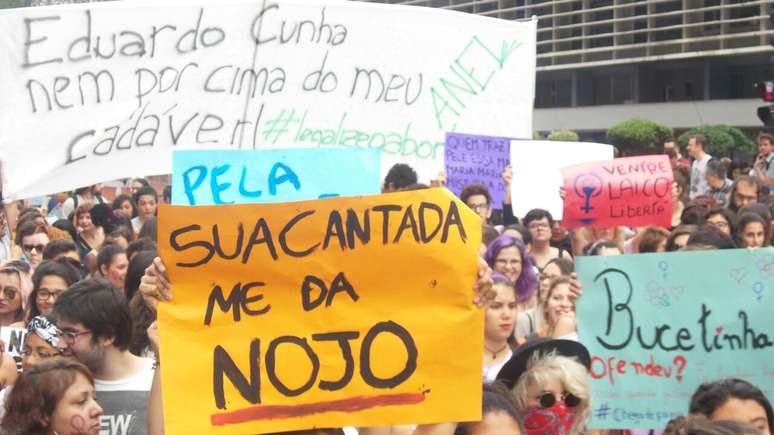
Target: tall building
[682, 63]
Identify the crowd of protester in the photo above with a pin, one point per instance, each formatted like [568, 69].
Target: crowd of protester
[81, 274]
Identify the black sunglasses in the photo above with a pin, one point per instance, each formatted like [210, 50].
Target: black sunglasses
[548, 400]
[30, 248]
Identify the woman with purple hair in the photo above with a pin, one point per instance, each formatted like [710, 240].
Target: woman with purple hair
[507, 256]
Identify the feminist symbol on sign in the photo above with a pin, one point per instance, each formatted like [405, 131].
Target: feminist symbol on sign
[588, 186]
[759, 288]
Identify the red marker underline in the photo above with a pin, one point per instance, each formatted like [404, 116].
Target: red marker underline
[349, 404]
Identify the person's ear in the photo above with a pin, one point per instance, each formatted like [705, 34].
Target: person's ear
[106, 341]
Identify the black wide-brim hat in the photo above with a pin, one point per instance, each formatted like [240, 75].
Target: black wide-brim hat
[517, 365]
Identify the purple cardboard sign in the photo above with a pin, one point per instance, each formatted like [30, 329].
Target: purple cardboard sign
[477, 159]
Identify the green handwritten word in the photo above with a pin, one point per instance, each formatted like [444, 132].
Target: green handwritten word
[392, 142]
[472, 71]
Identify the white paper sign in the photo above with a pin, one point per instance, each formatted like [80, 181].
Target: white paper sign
[537, 173]
[13, 338]
[99, 91]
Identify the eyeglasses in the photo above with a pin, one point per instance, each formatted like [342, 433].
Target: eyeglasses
[743, 197]
[70, 337]
[30, 248]
[39, 354]
[9, 293]
[539, 226]
[44, 294]
[548, 400]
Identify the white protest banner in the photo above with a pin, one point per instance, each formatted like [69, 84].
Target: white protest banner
[100, 91]
[537, 174]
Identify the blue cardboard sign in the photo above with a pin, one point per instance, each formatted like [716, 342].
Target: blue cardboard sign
[264, 176]
[659, 325]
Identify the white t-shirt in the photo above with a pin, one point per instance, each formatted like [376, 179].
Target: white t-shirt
[699, 184]
[125, 402]
[136, 224]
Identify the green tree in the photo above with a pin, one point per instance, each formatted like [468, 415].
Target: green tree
[5, 4]
[636, 135]
[563, 135]
[721, 139]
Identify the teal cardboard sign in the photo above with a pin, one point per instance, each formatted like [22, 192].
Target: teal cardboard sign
[278, 175]
[659, 325]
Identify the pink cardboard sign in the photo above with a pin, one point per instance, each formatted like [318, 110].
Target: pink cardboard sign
[631, 191]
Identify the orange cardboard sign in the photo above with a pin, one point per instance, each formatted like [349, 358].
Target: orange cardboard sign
[337, 312]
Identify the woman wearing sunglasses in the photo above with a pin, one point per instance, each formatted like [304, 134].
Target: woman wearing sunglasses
[11, 307]
[551, 387]
[33, 238]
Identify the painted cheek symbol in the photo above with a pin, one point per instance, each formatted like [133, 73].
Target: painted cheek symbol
[78, 425]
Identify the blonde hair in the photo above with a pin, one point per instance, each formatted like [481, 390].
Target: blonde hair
[572, 374]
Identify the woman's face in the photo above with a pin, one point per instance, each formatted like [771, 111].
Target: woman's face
[116, 271]
[550, 272]
[501, 314]
[603, 234]
[51, 286]
[36, 350]
[559, 302]
[718, 221]
[77, 411]
[508, 262]
[745, 411]
[540, 230]
[147, 206]
[753, 235]
[10, 293]
[83, 221]
[677, 192]
[558, 232]
[32, 246]
[126, 208]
